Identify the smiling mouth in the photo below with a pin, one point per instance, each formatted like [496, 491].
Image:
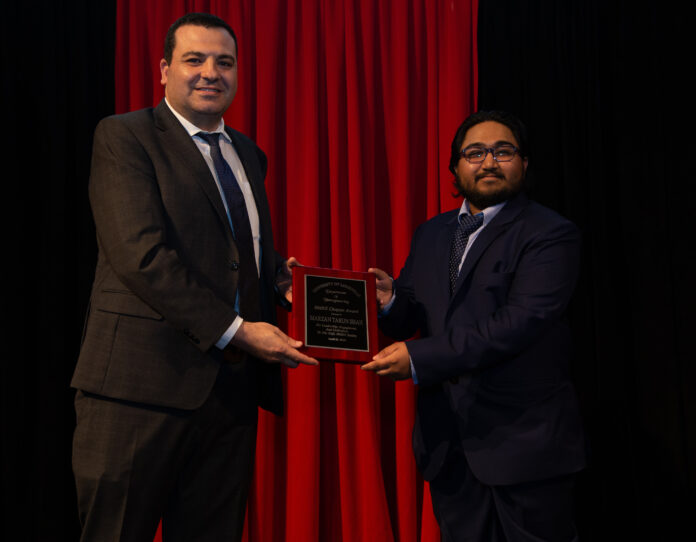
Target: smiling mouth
[208, 90]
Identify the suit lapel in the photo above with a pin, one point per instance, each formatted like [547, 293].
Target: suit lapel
[252, 167]
[492, 231]
[182, 147]
[250, 164]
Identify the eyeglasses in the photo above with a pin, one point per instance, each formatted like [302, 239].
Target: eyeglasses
[501, 153]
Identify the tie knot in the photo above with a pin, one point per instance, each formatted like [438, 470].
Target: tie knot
[470, 223]
[212, 139]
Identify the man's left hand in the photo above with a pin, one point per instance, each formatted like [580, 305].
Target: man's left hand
[394, 362]
[284, 278]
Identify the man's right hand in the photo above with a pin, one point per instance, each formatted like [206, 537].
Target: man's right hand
[270, 344]
[385, 288]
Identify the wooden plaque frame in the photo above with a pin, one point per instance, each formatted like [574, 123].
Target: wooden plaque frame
[334, 314]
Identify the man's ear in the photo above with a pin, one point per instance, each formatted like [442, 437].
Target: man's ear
[164, 69]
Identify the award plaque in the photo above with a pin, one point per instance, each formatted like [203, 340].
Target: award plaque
[334, 313]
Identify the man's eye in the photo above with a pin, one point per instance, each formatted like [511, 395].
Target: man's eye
[503, 153]
[474, 153]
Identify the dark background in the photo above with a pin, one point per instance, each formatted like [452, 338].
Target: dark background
[602, 87]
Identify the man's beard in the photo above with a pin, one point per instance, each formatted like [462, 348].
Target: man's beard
[483, 201]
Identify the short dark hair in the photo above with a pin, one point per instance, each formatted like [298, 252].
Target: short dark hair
[195, 19]
[508, 119]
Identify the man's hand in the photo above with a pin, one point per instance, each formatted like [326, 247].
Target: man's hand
[385, 288]
[393, 362]
[284, 278]
[270, 344]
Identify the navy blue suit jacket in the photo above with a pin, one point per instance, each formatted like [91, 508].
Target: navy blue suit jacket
[492, 360]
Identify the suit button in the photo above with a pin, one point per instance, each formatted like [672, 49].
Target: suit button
[454, 380]
[235, 266]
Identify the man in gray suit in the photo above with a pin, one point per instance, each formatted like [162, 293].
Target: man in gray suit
[179, 346]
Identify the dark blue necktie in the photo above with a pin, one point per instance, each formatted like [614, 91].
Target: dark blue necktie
[248, 283]
[233, 193]
[467, 225]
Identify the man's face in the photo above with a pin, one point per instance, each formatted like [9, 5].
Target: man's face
[201, 80]
[489, 182]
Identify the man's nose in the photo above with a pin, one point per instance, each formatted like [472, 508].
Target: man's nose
[489, 162]
[209, 69]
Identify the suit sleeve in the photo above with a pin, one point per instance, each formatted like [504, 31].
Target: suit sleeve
[405, 316]
[132, 231]
[538, 290]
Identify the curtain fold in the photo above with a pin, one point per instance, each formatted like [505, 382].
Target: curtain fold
[356, 103]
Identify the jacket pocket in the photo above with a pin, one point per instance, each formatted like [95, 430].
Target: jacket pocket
[492, 288]
[494, 280]
[124, 302]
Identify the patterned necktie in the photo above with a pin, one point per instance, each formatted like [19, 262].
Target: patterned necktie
[467, 225]
[248, 284]
[233, 193]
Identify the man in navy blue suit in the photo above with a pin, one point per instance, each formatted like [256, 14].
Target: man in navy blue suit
[497, 431]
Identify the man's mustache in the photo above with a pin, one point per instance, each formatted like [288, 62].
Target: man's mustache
[483, 174]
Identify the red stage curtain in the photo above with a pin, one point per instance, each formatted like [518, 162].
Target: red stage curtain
[356, 103]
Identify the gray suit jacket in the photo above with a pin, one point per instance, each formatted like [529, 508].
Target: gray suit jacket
[167, 272]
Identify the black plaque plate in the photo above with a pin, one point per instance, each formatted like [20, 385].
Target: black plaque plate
[335, 313]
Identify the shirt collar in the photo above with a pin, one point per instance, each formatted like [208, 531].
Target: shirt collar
[192, 129]
[488, 213]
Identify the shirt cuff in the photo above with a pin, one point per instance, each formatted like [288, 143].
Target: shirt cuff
[231, 331]
[385, 310]
[413, 370]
